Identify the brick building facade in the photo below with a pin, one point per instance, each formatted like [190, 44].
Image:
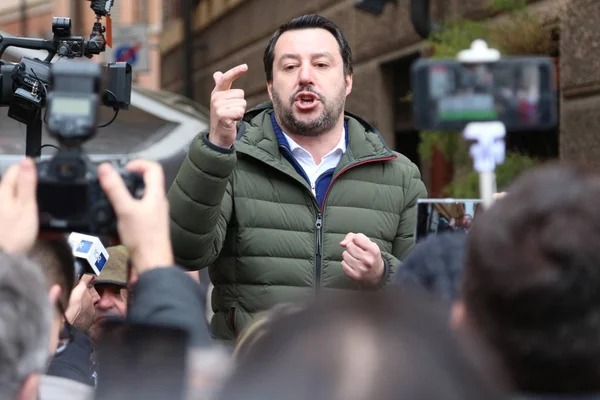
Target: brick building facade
[231, 32]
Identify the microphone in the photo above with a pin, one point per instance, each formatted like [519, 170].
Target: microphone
[89, 252]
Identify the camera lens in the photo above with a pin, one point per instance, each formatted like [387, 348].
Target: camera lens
[102, 213]
[66, 171]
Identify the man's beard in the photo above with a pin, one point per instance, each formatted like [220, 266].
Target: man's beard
[321, 124]
[96, 328]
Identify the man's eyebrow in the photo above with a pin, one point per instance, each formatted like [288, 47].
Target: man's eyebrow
[287, 55]
[325, 54]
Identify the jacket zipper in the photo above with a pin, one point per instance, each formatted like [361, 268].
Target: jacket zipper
[318, 225]
[319, 220]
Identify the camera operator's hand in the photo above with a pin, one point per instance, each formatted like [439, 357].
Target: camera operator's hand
[227, 106]
[81, 312]
[143, 224]
[19, 223]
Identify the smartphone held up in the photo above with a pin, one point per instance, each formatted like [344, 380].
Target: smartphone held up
[519, 92]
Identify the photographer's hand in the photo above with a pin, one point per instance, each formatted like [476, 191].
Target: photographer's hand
[80, 312]
[19, 222]
[143, 224]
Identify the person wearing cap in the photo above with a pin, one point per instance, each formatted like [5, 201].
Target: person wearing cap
[112, 289]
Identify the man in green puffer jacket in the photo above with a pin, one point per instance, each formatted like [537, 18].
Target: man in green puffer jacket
[294, 197]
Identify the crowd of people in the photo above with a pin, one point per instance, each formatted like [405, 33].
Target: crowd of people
[305, 219]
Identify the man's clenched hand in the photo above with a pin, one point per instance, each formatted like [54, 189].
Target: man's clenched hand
[362, 259]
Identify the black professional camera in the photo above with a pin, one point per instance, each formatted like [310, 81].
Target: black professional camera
[24, 85]
[69, 195]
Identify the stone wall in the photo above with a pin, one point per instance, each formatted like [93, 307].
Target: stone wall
[580, 82]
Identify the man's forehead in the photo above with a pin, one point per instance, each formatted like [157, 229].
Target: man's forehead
[312, 41]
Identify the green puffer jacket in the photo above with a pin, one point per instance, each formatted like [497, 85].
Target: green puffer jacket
[253, 220]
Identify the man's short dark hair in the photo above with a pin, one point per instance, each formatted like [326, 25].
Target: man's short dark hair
[55, 256]
[308, 22]
[532, 280]
[436, 264]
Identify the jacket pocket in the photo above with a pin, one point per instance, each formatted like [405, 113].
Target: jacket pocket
[231, 320]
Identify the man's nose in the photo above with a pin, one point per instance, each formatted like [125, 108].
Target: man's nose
[94, 294]
[306, 76]
[105, 302]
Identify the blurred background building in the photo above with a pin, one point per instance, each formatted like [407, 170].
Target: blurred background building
[176, 45]
[385, 43]
[134, 22]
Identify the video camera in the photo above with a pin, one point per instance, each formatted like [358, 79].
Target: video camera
[24, 85]
[69, 195]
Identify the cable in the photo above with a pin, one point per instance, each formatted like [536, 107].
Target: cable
[39, 152]
[112, 120]
[116, 110]
[45, 95]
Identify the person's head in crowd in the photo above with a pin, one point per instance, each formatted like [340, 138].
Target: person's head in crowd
[436, 265]
[295, 73]
[355, 346]
[55, 259]
[111, 286]
[467, 221]
[25, 319]
[531, 285]
[260, 326]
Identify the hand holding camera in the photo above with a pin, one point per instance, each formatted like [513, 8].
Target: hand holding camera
[143, 224]
[18, 211]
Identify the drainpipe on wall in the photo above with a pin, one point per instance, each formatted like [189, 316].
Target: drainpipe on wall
[24, 18]
[187, 10]
[77, 18]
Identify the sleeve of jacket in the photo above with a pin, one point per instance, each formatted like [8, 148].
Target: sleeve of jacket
[168, 296]
[201, 203]
[75, 361]
[404, 240]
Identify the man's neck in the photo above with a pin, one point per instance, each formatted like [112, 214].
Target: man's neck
[319, 146]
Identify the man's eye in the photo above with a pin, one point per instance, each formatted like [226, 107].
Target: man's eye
[322, 65]
[289, 67]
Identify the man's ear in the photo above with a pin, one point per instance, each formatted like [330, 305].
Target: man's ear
[457, 315]
[54, 294]
[270, 89]
[348, 84]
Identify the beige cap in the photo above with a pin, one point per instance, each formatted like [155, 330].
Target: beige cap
[115, 270]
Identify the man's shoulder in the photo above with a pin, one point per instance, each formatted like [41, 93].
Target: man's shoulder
[403, 161]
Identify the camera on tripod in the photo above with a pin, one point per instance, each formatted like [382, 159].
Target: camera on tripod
[69, 194]
[24, 85]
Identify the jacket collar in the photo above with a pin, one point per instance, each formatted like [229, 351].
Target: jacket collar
[257, 138]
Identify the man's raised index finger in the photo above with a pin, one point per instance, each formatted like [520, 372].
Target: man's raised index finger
[230, 76]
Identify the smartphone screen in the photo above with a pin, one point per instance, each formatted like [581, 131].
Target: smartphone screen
[435, 216]
[139, 361]
[519, 92]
